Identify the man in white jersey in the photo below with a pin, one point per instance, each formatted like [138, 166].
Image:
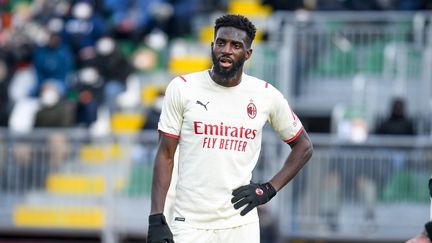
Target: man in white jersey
[426, 235]
[216, 118]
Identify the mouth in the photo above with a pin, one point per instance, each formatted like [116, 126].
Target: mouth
[225, 62]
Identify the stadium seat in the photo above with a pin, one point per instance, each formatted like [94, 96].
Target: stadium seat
[249, 8]
[75, 184]
[149, 93]
[127, 122]
[100, 154]
[186, 64]
[87, 217]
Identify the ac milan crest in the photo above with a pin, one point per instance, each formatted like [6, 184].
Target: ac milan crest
[251, 110]
[259, 192]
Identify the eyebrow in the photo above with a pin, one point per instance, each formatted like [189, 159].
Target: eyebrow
[228, 40]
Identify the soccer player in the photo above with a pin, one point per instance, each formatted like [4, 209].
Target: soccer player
[216, 118]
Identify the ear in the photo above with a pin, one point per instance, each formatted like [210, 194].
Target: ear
[212, 44]
[249, 53]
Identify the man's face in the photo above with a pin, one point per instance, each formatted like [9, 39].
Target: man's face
[229, 51]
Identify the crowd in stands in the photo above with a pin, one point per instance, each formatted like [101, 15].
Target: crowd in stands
[62, 60]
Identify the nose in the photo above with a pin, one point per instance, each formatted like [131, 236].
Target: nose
[227, 49]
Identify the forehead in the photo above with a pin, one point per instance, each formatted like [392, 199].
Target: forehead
[231, 33]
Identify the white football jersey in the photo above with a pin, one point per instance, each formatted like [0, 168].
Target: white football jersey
[219, 130]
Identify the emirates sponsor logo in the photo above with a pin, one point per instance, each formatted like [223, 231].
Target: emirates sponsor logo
[224, 137]
[224, 130]
[251, 110]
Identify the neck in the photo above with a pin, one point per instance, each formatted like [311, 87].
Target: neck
[226, 81]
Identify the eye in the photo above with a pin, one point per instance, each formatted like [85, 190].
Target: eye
[237, 45]
[220, 43]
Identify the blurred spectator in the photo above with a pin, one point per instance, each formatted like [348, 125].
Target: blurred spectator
[114, 68]
[54, 62]
[83, 28]
[180, 23]
[54, 111]
[154, 113]
[45, 10]
[88, 85]
[397, 123]
[5, 76]
[136, 18]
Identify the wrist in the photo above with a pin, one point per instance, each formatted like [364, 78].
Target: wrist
[157, 218]
[271, 190]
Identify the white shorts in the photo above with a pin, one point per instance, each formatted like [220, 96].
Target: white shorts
[245, 233]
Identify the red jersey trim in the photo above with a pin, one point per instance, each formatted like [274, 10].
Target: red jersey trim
[266, 85]
[170, 134]
[183, 78]
[295, 136]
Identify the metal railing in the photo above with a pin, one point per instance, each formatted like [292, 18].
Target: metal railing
[69, 182]
[376, 190]
[323, 59]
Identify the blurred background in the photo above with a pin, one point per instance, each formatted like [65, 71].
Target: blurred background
[81, 88]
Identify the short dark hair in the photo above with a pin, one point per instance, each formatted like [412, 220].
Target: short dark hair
[239, 22]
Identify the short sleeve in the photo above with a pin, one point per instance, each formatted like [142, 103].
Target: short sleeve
[171, 118]
[282, 118]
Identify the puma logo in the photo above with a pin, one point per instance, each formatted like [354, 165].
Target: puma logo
[200, 103]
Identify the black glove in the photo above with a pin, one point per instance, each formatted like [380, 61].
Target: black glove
[158, 231]
[253, 195]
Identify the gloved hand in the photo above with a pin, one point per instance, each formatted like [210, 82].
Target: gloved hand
[158, 231]
[252, 195]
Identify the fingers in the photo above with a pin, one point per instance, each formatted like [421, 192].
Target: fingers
[240, 189]
[244, 196]
[241, 203]
[247, 209]
[240, 195]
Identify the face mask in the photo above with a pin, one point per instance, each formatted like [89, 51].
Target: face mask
[49, 97]
[55, 25]
[105, 46]
[41, 37]
[82, 11]
[157, 39]
[88, 76]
